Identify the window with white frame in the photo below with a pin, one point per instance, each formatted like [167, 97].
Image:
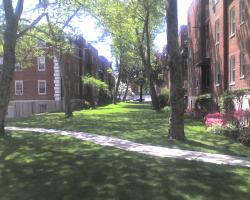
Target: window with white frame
[1, 63]
[41, 64]
[41, 43]
[232, 21]
[41, 87]
[242, 11]
[18, 67]
[217, 31]
[18, 87]
[217, 73]
[232, 69]
[242, 65]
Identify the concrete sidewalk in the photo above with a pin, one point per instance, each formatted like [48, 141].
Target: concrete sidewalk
[145, 149]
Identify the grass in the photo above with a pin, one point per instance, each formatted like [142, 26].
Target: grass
[41, 166]
[139, 123]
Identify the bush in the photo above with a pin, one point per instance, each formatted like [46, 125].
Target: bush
[204, 104]
[164, 97]
[229, 130]
[244, 137]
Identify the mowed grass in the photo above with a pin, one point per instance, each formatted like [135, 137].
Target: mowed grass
[48, 167]
[139, 123]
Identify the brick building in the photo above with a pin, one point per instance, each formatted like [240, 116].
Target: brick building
[38, 88]
[219, 48]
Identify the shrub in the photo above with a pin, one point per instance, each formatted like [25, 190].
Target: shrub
[204, 104]
[164, 97]
[244, 137]
[228, 130]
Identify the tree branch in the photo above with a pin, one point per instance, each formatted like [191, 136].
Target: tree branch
[21, 33]
[70, 18]
[19, 9]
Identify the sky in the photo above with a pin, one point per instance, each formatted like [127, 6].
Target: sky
[90, 32]
[88, 29]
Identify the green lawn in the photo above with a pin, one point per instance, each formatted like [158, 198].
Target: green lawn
[48, 167]
[137, 122]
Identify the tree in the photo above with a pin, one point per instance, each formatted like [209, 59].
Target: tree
[12, 31]
[174, 61]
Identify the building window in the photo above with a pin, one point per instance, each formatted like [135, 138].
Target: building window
[197, 83]
[242, 65]
[217, 31]
[232, 21]
[19, 87]
[41, 63]
[42, 108]
[41, 87]
[217, 73]
[41, 43]
[1, 63]
[232, 69]
[242, 12]
[18, 67]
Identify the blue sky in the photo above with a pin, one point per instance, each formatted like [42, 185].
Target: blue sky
[87, 27]
[91, 32]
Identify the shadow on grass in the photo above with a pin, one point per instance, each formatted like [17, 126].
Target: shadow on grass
[138, 123]
[39, 166]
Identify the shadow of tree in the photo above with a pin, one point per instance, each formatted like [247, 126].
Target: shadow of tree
[138, 123]
[40, 166]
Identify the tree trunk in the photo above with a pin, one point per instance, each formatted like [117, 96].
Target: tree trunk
[149, 71]
[117, 83]
[9, 49]
[65, 85]
[126, 92]
[176, 90]
[141, 90]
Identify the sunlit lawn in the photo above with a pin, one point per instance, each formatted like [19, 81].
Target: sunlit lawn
[137, 122]
[47, 167]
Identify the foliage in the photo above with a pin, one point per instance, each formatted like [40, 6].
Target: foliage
[244, 137]
[164, 97]
[228, 129]
[96, 83]
[214, 119]
[203, 104]
[226, 100]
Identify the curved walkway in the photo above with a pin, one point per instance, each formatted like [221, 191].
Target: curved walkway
[145, 149]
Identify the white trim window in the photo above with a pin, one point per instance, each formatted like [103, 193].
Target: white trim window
[217, 31]
[41, 87]
[232, 21]
[18, 67]
[41, 63]
[1, 63]
[217, 73]
[18, 87]
[232, 69]
[242, 11]
[242, 65]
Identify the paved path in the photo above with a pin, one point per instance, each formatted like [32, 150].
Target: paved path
[145, 149]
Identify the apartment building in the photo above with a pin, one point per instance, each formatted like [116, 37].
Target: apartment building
[218, 48]
[38, 88]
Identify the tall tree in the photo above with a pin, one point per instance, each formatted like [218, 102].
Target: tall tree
[174, 61]
[11, 32]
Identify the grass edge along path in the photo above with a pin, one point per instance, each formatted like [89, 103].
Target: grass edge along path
[144, 149]
[138, 123]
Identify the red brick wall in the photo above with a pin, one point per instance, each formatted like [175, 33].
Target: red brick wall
[217, 53]
[194, 72]
[240, 42]
[30, 77]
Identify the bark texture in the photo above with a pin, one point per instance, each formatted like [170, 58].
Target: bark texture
[10, 36]
[176, 90]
